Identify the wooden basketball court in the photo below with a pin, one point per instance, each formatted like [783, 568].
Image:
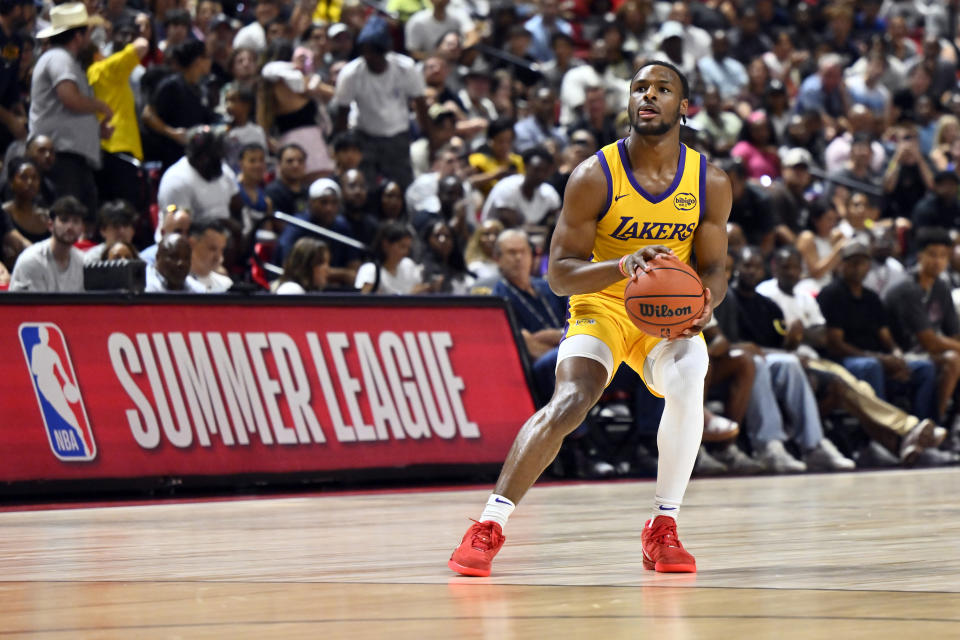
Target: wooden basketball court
[859, 555]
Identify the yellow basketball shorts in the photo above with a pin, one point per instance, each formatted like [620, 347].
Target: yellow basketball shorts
[605, 318]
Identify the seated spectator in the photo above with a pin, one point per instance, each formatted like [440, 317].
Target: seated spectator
[119, 250]
[724, 126]
[54, 265]
[525, 199]
[392, 271]
[305, 268]
[254, 35]
[200, 181]
[542, 26]
[441, 133]
[421, 195]
[347, 153]
[540, 127]
[40, 152]
[357, 210]
[820, 246]
[756, 149]
[171, 273]
[175, 220]
[720, 69]
[908, 175]
[453, 211]
[858, 336]
[791, 196]
[595, 117]
[540, 312]
[391, 202]
[288, 192]
[857, 217]
[858, 166]
[939, 208]
[750, 207]
[323, 210]
[443, 264]
[251, 204]
[923, 321]
[824, 91]
[760, 321]
[116, 221]
[905, 436]
[886, 270]
[242, 131]
[495, 160]
[208, 239]
[28, 219]
[479, 253]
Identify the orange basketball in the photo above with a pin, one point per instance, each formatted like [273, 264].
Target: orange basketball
[663, 301]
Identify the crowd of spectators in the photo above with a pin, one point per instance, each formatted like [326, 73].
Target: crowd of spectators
[413, 147]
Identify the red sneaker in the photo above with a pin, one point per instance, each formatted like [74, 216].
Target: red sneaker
[662, 550]
[475, 554]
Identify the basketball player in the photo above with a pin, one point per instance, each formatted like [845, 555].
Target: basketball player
[610, 228]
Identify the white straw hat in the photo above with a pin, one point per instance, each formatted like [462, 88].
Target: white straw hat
[64, 17]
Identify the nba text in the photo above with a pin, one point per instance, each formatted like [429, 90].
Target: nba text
[185, 388]
[630, 229]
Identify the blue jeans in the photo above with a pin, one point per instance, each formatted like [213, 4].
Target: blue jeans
[781, 382]
[922, 386]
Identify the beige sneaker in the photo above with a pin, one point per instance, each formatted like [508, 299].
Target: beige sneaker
[775, 459]
[826, 457]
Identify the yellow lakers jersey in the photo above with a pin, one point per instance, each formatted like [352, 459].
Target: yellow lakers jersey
[634, 218]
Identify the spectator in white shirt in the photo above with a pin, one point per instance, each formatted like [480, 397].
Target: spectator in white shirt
[207, 241]
[382, 83]
[171, 273]
[426, 27]
[391, 271]
[525, 199]
[54, 265]
[724, 72]
[305, 269]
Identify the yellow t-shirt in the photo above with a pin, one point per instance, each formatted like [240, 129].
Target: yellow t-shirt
[328, 11]
[484, 163]
[110, 80]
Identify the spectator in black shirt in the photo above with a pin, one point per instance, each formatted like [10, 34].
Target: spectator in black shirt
[356, 208]
[288, 192]
[177, 104]
[940, 207]
[858, 335]
[923, 319]
[13, 123]
[908, 175]
[751, 207]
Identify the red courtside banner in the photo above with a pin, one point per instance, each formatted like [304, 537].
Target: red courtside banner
[99, 389]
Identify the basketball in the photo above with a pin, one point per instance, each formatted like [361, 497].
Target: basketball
[71, 393]
[663, 301]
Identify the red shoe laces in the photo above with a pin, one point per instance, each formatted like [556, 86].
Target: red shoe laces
[484, 537]
[665, 533]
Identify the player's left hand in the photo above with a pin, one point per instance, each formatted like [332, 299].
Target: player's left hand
[701, 321]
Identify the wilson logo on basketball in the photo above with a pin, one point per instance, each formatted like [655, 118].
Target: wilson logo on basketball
[685, 201]
[662, 311]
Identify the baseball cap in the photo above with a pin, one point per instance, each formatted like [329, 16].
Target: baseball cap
[854, 249]
[321, 186]
[336, 29]
[797, 156]
[670, 29]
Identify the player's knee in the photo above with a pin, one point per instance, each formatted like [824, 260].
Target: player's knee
[569, 406]
[677, 370]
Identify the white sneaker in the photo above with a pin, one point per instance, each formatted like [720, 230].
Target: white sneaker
[926, 435]
[826, 457]
[720, 429]
[775, 459]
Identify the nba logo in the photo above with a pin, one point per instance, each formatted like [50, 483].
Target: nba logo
[55, 385]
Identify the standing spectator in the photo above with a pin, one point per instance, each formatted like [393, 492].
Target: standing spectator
[116, 221]
[858, 335]
[426, 27]
[200, 181]
[110, 79]
[62, 106]
[13, 125]
[540, 128]
[171, 273]
[305, 269]
[525, 199]
[382, 83]
[543, 26]
[288, 192]
[391, 271]
[923, 320]
[178, 104]
[54, 265]
[721, 70]
[208, 239]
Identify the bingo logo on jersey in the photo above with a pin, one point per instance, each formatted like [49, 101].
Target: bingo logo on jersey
[58, 394]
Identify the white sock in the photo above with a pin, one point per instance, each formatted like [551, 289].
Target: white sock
[678, 374]
[665, 507]
[497, 509]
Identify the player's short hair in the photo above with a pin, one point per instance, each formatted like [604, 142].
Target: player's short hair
[663, 63]
[928, 236]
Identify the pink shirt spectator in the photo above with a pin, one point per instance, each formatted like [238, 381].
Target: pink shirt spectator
[758, 163]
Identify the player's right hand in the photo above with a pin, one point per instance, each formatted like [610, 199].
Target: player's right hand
[637, 261]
